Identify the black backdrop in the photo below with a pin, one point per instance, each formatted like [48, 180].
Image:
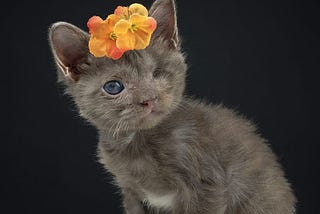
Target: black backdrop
[260, 57]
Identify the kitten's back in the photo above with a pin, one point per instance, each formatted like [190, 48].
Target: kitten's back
[238, 170]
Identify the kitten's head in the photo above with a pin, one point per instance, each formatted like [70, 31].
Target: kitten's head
[133, 93]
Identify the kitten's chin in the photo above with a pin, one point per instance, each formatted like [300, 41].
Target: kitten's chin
[156, 115]
[146, 120]
[151, 119]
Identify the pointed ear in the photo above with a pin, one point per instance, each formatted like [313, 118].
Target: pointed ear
[69, 45]
[164, 12]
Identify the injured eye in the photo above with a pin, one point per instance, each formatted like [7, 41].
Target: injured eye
[157, 72]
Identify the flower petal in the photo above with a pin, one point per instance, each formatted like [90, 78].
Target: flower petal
[139, 9]
[142, 40]
[122, 27]
[126, 38]
[100, 48]
[122, 12]
[145, 27]
[115, 53]
[93, 23]
[97, 47]
[111, 21]
[152, 23]
[147, 24]
[137, 18]
[126, 41]
[112, 50]
[103, 29]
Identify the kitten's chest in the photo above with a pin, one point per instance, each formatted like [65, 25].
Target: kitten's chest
[144, 172]
[134, 161]
[146, 178]
[164, 200]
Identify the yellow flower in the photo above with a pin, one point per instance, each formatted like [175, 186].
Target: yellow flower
[135, 28]
[134, 33]
[103, 39]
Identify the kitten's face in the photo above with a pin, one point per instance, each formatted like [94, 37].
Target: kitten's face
[133, 93]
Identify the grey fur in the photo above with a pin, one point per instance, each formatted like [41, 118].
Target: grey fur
[203, 158]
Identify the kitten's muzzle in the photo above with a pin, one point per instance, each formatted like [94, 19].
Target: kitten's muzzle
[150, 103]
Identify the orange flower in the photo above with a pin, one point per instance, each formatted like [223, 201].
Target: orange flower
[103, 39]
[128, 28]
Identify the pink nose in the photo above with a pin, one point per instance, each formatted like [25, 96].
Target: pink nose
[149, 103]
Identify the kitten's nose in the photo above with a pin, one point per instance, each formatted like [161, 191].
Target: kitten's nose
[150, 103]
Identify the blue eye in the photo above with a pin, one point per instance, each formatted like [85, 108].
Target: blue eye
[113, 87]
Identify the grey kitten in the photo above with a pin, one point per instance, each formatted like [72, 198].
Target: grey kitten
[168, 153]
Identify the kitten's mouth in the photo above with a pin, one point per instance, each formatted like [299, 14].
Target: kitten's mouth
[155, 112]
[150, 118]
[152, 114]
[151, 107]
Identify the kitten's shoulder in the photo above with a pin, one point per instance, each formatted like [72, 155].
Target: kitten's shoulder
[213, 117]
[217, 111]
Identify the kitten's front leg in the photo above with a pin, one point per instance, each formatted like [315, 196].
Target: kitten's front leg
[131, 203]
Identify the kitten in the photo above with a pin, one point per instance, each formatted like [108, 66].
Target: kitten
[168, 153]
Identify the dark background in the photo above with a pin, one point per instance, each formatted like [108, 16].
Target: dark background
[260, 57]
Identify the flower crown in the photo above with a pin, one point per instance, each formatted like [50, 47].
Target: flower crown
[129, 28]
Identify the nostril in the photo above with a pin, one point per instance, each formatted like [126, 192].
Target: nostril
[149, 103]
[145, 103]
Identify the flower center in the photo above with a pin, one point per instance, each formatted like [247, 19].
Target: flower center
[133, 28]
[113, 36]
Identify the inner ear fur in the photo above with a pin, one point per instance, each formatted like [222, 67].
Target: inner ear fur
[164, 12]
[69, 45]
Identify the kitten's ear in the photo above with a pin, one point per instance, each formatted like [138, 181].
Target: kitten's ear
[164, 12]
[69, 45]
